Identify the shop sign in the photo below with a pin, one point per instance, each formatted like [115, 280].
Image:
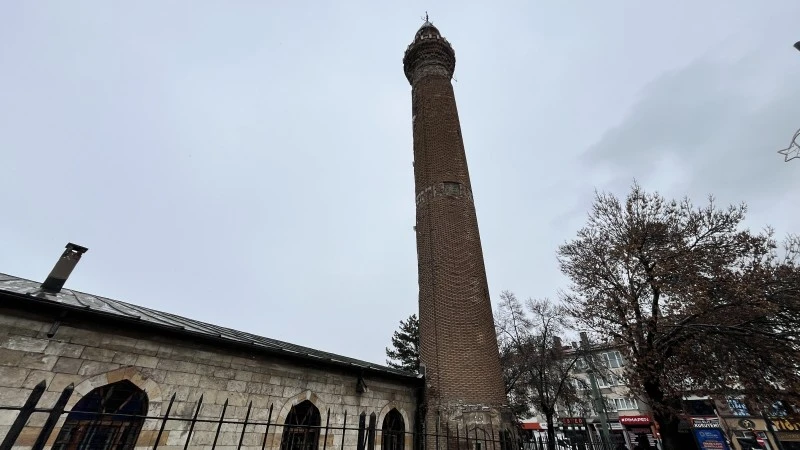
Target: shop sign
[789, 436]
[747, 424]
[572, 420]
[710, 439]
[705, 423]
[785, 423]
[634, 420]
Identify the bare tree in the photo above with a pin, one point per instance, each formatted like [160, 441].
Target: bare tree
[539, 373]
[698, 303]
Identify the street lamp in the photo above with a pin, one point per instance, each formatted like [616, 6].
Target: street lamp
[793, 150]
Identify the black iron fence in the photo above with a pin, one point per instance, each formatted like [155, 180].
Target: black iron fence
[117, 420]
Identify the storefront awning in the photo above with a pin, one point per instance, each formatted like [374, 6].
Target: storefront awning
[531, 426]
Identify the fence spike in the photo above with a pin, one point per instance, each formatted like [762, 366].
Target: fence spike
[194, 421]
[53, 417]
[24, 413]
[244, 426]
[164, 421]
[219, 424]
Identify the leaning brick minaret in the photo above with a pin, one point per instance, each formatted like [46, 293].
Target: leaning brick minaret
[458, 345]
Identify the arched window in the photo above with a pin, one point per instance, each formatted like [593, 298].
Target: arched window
[301, 431]
[394, 429]
[108, 417]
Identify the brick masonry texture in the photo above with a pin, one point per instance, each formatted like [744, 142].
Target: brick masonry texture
[90, 355]
[457, 336]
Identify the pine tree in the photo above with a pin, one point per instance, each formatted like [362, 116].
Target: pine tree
[404, 353]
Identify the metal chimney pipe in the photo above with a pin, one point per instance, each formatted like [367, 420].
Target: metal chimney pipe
[63, 268]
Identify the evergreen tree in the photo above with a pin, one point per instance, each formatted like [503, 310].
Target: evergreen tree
[404, 353]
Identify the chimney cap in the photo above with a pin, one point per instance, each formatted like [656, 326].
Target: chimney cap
[78, 248]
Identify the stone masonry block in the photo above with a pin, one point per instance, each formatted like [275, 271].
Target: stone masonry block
[36, 377]
[182, 379]
[91, 368]
[146, 347]
[24, 343]
[243, 376]
[63, 349]
[213, 383]
[67, 365]
[98, 354]
[13, 377]
[126, 359]
[7, 417]
[61, 380]
[177, 366]
[146, 361]
[236, 386]
[10, 357]
[38, 361]
[226, 373]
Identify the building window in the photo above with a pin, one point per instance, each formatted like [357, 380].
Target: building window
[702, 407]
[738, 408]
[607, 380]
[394, 430]
[621, 404]
[301, 431]
[108, 417]
[451, 188]
[612, 360]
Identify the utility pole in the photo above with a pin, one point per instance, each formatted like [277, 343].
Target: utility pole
[599, 403]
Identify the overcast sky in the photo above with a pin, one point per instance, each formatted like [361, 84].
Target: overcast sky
[249, 163]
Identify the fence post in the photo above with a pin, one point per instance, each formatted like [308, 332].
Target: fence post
[269, 421]
[362, 423]
[194, 420]
[22, 417]
[164, 421]
[371, 432]
[219, 424]
[499, 436]
[55, 414]
[244, 426]
[327, 425]
[344, 427]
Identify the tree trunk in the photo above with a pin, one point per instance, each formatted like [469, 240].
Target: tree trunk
[551, 432]
[664, 414]
[668, 428]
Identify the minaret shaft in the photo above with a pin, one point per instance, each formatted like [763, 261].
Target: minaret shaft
[458, 345]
